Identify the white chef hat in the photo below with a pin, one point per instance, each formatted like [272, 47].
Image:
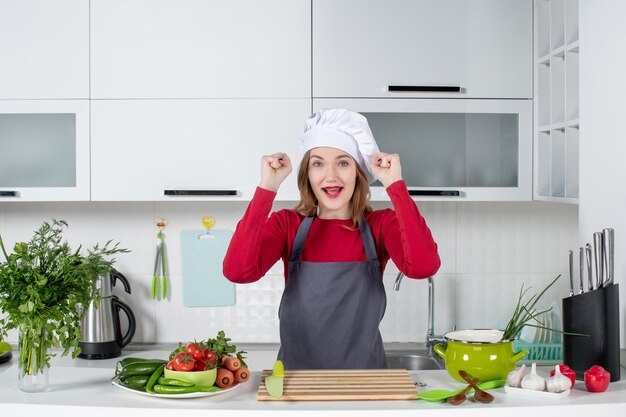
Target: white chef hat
[342, 129]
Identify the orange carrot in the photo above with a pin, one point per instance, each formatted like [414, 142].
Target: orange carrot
[242, 375]
[225, 378]
[232, 364]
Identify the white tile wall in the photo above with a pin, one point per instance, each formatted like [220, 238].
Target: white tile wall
[488, 250]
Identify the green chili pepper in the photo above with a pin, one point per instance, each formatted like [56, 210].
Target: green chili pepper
[137, 382]
[127, 361]
[174, 382]
[154, 378]
[169, 389]
[140, 368]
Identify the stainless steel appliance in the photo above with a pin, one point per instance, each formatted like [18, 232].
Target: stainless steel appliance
[102, 335]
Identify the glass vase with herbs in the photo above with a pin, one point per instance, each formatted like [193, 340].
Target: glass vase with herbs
[43, 284]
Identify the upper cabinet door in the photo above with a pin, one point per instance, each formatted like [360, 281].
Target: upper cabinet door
[200, 49]
[190, 150]
[481, 47]
[44, 149]
[44, 49]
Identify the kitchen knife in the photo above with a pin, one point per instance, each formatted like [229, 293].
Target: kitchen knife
[608, 237]
[598, 254]
[571, 273]
[589, 267]
[581, 269]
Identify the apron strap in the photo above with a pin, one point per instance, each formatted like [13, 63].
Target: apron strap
[303, 232]
[368, 240]
[298, 243]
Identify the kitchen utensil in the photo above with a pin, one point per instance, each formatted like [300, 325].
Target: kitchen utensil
[100, 326]
[581, 270]
[204, 284]
[608, 238]
[480, 352]
[591, 326]
[439, 395]
[479, 395]
[159, 278]
[343, 385]
[598, 254]
[571, 273]
[461, 397]
[589, 267]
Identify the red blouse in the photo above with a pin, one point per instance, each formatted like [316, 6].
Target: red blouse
[400, 234]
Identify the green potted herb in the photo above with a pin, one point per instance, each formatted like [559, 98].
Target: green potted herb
[43, 284]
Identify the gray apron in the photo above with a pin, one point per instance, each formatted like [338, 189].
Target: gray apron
[330, 311]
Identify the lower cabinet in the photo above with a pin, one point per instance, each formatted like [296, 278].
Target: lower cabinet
[190, 150]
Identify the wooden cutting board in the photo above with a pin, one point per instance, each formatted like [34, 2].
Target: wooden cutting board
[343, 385]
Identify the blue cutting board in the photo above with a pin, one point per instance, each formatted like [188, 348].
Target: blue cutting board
[204, 284]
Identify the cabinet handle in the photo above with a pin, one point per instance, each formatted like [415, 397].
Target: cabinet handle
[437, 193]
[9, 194]
[426, 88]
[186, 193]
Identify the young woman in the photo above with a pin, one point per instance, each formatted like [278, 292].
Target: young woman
[333, 245]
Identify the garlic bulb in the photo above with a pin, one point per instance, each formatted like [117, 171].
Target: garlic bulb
[533, 380]
[559, 382]
[514, 379]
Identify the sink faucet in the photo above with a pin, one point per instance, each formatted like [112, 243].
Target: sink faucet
[431, 339]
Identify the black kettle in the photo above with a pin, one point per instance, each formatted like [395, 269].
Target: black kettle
[102, 335]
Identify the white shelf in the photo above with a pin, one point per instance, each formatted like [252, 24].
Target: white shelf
[557, 23]
[557, 101]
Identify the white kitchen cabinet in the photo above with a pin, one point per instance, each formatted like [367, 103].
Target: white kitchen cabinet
[44, 49]
[190, 150]
[557, 101]
[453, 150]
[200, 49]
[365, 48]
[44, 150]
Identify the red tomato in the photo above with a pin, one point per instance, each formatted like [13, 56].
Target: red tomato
[568, 372]
[170, 365]
[191, 349]
[200, 366]
[597, 379]
[210, 356]
[183, 362]
[199, 354]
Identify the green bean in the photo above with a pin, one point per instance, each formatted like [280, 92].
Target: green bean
[169, 389]
[174, 382]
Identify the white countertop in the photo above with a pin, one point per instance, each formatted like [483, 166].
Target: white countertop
[83, 387]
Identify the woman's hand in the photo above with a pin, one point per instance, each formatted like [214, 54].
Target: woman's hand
[386, 168]
[274, 169]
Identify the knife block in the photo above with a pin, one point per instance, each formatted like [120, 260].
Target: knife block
[594, 313]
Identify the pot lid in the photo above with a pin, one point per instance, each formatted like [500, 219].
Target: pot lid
[475, 336]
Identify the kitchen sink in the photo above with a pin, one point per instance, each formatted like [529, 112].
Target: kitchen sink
[412, 361]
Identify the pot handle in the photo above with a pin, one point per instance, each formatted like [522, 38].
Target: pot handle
[441, 349]
[519, 355]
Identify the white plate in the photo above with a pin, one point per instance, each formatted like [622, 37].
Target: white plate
[556, 322]
[529, 393]
[528, 334]
[547, 334]
[176, 396]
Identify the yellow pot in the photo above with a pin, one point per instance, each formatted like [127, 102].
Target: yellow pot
[481, 353]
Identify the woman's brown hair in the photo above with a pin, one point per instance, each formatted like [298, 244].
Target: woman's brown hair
[359, 203]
